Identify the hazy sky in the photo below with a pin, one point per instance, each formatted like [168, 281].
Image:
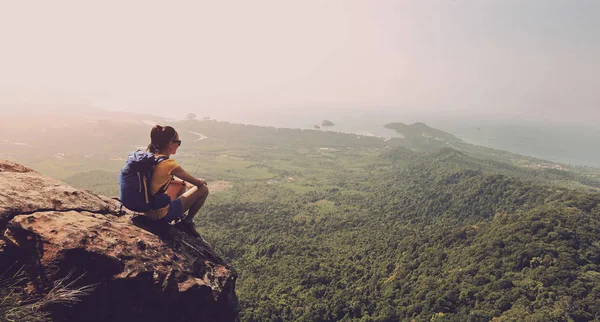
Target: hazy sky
[536, 59]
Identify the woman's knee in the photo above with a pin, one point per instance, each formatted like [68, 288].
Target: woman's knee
[199, 192]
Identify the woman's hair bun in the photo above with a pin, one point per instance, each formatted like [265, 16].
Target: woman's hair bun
[160, 136]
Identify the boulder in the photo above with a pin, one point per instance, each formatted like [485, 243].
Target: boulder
[26, 191]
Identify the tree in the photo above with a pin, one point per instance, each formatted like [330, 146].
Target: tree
[191, 116]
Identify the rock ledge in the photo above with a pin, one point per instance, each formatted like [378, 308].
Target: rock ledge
[138, 270]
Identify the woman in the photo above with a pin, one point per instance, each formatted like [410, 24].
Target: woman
[187, 193]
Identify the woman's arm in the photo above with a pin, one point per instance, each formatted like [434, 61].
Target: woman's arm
[183, 175]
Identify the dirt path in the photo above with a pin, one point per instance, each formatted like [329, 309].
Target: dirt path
[218, 186]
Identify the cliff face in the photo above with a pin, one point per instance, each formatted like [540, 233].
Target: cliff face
[137, 270]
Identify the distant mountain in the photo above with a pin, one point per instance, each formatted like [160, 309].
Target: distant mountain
[421, 137]
[422, 129]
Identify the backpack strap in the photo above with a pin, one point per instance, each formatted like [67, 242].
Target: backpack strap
[163, 188]
[160, 159]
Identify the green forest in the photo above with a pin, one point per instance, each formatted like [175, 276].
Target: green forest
[325, 226]
[438, 241]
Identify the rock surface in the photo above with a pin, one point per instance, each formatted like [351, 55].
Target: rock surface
[139, 270]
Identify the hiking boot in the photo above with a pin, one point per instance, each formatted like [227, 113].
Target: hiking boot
[189, 228]
[156, 227]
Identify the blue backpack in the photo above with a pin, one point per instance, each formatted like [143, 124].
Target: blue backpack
[135, 181]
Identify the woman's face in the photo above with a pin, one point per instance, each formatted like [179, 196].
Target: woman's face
[174, 144]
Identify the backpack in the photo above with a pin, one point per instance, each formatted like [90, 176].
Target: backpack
[135, 181]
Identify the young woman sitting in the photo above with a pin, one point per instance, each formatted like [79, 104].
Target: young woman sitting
[187, 192]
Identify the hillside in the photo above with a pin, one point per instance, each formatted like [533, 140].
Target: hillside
[427, 237]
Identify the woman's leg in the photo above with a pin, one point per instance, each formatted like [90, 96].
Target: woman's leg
[192, 200]
[196, 207]
[175, 189]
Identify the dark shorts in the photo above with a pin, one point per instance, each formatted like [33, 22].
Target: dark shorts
[175, 211]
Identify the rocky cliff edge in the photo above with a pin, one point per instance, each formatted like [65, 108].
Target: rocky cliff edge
[132, 270]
